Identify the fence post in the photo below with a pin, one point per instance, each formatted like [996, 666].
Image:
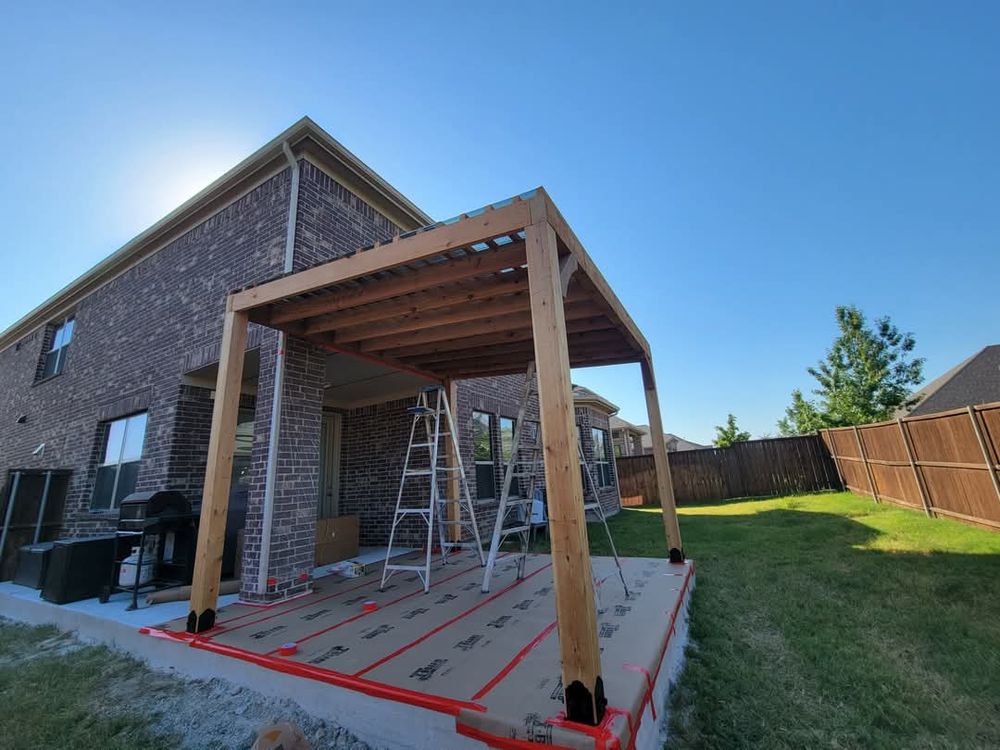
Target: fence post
[868, 468]
[924, 497]
[990, 467]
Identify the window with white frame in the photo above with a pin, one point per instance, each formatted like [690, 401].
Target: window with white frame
[54, 359]
[482, 449]
[120, 461]
[603, 474]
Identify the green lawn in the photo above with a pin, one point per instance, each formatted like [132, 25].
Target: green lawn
[829, 621]
[51, 691]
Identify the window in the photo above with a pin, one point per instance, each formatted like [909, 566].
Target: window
[602, 458]
[120, 463]
[507, 426]
[54, 359]
[482, 448]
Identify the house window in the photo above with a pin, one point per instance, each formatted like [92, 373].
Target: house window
[54, 359]
[482, 448]
[507, 426]
[602, 457]
[120, 462]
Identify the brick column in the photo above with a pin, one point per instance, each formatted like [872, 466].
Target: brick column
[296, 488]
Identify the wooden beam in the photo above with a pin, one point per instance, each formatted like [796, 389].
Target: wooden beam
[449, 316]
[664, 483]
[486, 359]
[583, 687]
[543, 204]
[482, 263]
[452, 484]
[592, 323]
[450, 295]
[420, 246]
[215, 500]
[589, 339]
[567, 267]
[496, 324]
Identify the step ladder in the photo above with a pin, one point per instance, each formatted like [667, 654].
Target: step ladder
[454, 517]
[514, 512]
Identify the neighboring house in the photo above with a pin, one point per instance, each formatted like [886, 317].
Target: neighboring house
[674, 442]
[627, 437]
[974, 381]
[107, 387]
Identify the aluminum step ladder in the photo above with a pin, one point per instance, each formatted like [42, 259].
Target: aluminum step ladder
[514, 512]
[527, 469]
[454, 517]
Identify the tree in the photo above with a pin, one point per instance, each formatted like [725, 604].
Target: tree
[729, 434]
[866, 376]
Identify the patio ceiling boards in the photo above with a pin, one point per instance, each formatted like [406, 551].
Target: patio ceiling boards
[450, 300]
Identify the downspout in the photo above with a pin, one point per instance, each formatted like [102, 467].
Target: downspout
[279, 381]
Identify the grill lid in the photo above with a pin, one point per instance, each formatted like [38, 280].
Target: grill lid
[157, 504]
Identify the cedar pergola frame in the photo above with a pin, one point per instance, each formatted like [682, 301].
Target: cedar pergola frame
[484, 294]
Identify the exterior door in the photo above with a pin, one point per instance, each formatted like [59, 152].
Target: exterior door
[329, 465]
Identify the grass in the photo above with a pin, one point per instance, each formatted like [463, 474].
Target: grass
[829, 621]
[51, 691]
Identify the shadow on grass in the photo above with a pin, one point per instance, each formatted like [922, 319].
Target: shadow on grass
[805, 633]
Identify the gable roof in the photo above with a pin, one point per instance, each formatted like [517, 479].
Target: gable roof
[973, 381]
[305, 138]
[586, 397]
[617, 423]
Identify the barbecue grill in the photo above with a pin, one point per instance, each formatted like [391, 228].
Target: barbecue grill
[162, 525]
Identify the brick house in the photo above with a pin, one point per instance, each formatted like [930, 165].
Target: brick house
[107, 387]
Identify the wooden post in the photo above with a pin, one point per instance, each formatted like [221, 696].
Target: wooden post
[921, 488]
[218, 471]
[664, 483]
[868, 468]
[452, 485]
[990, 466]
[583, 687]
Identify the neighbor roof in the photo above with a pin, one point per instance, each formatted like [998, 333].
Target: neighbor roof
[974, 381]
[305, 138]
[586, 396]
[617, 423]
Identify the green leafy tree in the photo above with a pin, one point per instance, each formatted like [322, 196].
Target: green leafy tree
[726, 435]
[865, 377]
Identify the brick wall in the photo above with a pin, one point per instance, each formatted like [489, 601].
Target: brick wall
[132, 341]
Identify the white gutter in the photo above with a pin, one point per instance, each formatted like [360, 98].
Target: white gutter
[279, 381]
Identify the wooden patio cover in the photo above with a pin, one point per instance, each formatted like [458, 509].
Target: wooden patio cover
[484, 294]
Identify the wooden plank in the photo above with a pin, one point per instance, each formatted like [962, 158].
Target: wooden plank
[428, 244]
[426, 277]
[978, 429]
[449, 316]
[496, 324]
[665, 486]
[864, 459]
[449, 295]
[215, 502]
[543, 204]
[592, 323]
[452, 483]
[924, 499]
[574, 588]
[588, 339]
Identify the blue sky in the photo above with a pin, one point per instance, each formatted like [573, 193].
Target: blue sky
[736, 169]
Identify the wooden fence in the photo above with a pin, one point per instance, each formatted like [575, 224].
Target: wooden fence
[756, 468]
[945, 464]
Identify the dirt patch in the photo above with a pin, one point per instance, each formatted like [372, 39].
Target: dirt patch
[214, 713]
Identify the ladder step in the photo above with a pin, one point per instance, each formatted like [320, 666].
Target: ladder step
[412, 512]
[405, 567]
[514, 530]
